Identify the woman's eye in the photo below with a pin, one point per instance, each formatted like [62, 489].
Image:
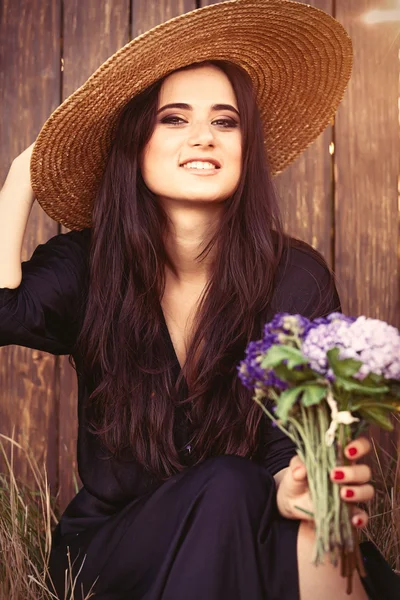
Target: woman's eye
[172, 120]
[226, 123]
[175, 120]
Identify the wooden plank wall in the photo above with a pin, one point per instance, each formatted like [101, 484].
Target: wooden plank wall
[340, 195]
[30, 78]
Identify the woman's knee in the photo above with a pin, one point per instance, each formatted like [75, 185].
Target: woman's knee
[236, 479]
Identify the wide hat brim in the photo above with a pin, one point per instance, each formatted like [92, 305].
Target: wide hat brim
[298, 57]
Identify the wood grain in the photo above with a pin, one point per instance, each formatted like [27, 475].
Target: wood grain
[367, 169]
[149, 13]
[29, 92]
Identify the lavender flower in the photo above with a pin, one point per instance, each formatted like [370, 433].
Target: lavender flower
[331, 318]
[285, 324]
[375, 343]
[319, 340]
[250, 371]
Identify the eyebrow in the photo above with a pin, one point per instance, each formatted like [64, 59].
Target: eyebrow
[184, 106]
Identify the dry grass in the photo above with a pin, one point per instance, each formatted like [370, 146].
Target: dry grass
[27, 517]
[384, 510]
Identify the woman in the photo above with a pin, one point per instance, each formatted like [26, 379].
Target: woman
[187, 492]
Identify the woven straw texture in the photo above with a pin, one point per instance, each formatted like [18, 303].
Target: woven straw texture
[298, 57]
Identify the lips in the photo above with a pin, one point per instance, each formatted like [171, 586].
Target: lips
[213, 161]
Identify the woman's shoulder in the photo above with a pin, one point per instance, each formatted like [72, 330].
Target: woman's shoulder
[304, 283]
[71, 242]
[45, 311]
[60, 263]
[299, 258]
[71, 248]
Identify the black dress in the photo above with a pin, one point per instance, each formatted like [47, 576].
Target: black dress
[212, 531]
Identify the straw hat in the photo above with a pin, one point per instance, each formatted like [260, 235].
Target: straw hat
[298, 57]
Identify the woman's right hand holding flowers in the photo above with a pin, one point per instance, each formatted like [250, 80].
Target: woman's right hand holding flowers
[293, 496]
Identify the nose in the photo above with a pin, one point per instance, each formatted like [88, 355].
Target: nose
[201, 134]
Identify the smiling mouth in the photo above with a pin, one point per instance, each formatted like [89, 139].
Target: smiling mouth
[200, 165]
[206, 172]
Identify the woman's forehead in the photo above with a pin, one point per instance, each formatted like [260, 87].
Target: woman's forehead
[200, 86]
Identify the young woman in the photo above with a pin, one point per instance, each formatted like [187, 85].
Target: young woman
[187, 491]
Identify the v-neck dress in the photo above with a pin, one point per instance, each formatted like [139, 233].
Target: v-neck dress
[210, 532]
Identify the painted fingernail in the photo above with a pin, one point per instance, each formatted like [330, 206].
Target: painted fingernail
[338, 475]
[349, 494]
[357, 521]
[352, 451]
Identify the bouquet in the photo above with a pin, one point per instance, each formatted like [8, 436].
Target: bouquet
[322, 382]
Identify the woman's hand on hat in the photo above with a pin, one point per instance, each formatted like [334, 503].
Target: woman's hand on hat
[293, 496]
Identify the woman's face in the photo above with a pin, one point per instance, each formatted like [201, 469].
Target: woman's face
[195, 151]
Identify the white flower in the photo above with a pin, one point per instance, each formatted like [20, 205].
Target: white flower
[338, 416]
[374, 343]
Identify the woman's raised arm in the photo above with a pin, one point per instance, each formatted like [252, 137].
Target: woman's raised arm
[16, 200]
[42, 299]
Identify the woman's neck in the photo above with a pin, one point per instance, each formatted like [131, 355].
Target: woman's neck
[192, 226]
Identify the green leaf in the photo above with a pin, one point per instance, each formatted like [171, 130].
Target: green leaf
[367, 403]
[378, 416]
[352, 385]
[294, 375]
[395, 389]
[277, 354]
[286, 401]
[313, 394]
[374, 378]
[346, 367]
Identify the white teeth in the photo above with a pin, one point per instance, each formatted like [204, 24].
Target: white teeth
[199, 165]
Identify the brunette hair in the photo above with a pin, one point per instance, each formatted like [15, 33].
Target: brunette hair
[123, 340]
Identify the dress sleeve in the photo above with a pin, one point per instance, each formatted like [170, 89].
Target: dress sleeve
[44, 312]
[304, 286]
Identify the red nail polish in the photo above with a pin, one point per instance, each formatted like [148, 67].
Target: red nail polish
[338, 475]
[352, 451]
[358, 522]
[349, 494]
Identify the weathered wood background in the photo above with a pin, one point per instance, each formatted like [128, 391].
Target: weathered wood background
[341, 195]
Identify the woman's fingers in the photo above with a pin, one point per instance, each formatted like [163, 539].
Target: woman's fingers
[299, 471]
[360, 493]
[359, 518]
[358, 448]
[351, 474]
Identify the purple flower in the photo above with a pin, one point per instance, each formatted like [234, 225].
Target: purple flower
[319, 340]
[375, 343]
[283, 328]
[250, 371]
[252, 374]
[285, 324]
[333, 317]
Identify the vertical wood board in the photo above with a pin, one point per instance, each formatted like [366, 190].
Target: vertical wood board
[149, 13]
[367, 168]
[29, 92]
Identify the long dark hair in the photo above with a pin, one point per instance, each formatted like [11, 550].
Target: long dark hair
[123, 339]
